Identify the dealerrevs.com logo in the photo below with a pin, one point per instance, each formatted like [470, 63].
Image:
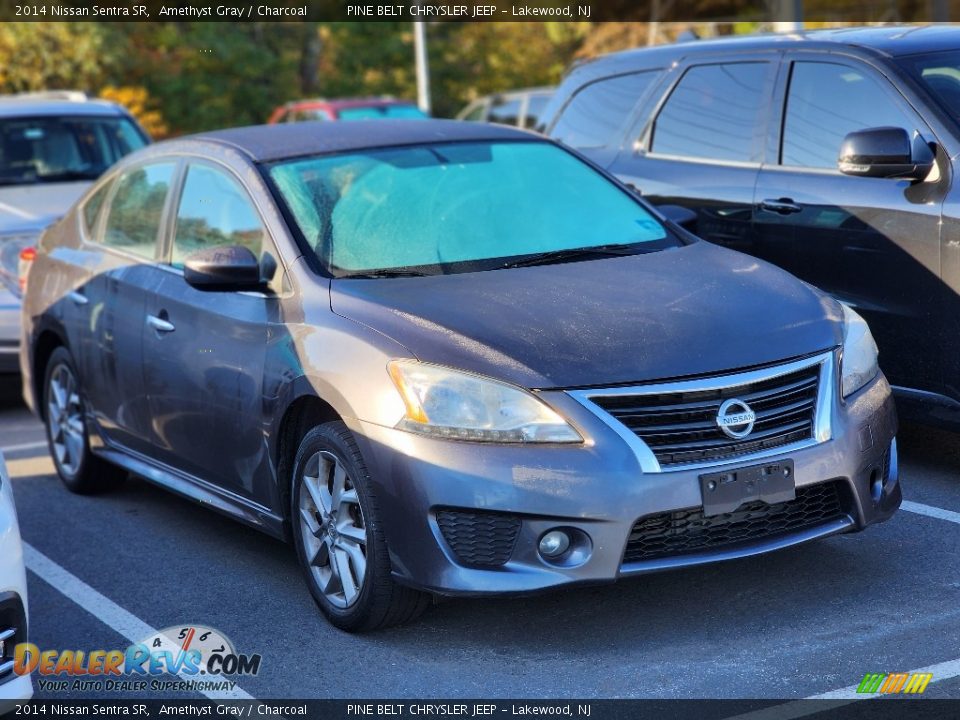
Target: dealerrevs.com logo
[203, 658]
[893, 683]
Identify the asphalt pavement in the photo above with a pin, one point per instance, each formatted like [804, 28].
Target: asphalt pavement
[793, 624]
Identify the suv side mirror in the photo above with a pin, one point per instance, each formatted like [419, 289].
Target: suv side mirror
[882, 152]
[232, 267]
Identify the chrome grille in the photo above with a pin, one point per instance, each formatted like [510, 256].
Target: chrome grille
[13, 630]
[677, 422]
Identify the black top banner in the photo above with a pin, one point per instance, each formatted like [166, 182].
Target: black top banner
[471, 10]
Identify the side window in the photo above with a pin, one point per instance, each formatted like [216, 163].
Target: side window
[715, 112]
[824, 103]
[505, 112]
[137, 209]
[214, 211]
[475, 113]
[535, 106]
[597, 113]
[91, 208]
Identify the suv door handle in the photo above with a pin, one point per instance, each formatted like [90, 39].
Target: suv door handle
[781, 206]
[159, 324]
[78, 298]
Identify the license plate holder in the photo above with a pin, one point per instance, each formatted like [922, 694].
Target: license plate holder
[725, 491]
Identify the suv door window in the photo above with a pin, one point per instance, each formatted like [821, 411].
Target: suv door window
[595, 116]
[505, 111]
[824, 103]
[715, 112]
[136, 209]
[214, 211]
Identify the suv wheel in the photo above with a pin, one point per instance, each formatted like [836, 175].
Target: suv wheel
[338, 537]
[66, 427]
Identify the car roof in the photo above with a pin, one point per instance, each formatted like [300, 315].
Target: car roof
[38, 106]
[267, 143]
[891, 40]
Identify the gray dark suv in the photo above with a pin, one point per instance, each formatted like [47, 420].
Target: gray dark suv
[446, 358]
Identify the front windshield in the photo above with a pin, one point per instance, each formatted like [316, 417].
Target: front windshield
[382, 112]
[458, 207]
[63, 149]
[939, 73]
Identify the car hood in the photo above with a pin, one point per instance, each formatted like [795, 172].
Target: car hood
[692, 310]
[25, 208]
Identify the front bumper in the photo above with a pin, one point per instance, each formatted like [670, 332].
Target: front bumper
[598, 491]
[9, 331]
[13, 596]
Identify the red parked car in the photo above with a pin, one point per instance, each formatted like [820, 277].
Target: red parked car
[347, 109]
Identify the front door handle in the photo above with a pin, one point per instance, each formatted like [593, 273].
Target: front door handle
[781, 206]
[159, 324]
[78, 298]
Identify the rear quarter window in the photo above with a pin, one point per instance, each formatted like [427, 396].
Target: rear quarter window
[596, 115]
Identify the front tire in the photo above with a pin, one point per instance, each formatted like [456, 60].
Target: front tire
[66, 426]
[338, 537]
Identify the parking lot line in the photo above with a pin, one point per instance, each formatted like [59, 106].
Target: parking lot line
[946, 670]
[930, 511]
[104, 609]
[24, 446]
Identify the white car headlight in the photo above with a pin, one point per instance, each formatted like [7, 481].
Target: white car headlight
[859, 363]
[448, 403]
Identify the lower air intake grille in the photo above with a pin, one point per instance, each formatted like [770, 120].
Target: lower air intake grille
[482, 539]
[689, 531]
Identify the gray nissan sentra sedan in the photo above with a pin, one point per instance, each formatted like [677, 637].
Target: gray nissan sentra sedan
[445, 358]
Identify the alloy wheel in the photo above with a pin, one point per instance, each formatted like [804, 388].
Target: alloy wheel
[333, 529]
[65, 420]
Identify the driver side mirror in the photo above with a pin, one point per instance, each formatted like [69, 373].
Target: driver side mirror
[232, 267]
[883, 152]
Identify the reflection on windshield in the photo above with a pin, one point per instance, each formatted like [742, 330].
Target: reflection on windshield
[459, 207]
[939, 73]
[62, 149]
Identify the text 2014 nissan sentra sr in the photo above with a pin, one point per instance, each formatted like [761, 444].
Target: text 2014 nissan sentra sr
[446, 359]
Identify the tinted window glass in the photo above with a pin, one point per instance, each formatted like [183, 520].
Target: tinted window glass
[214, 211]
[457, 207]
[505, 112]
[92, 207]
[137, 208]
[382, 112]
[715, 112]
[535, 106]
[825, 102]
[596, 114]
[940, 74]
[63, 149]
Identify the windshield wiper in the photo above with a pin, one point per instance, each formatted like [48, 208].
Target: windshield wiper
[383, 274]
[558, 256]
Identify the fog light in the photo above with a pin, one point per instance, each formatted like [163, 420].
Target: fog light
[554, 543]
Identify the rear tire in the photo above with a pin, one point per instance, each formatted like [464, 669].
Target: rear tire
[339, 539]
[66, 426]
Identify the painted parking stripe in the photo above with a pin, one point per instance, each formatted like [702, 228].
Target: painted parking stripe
[24, 446]
[844, 696]
[104, 609]
[930, 511]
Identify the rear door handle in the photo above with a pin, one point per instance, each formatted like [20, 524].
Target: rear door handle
[781, 206]
[78, 298]
[159, 324]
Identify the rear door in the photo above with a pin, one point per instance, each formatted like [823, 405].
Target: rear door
[106, 313]
[205, 350]
[702, 143]
[873, 243]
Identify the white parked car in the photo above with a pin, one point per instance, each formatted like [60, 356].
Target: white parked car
[13, 597]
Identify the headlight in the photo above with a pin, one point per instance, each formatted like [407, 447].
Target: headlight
[452, 404]
[859, 363]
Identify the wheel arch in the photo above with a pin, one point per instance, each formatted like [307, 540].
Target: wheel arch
[48, 340]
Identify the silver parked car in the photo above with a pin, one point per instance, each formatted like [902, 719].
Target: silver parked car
[52, 147]
[446, 358]
[519, 108]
